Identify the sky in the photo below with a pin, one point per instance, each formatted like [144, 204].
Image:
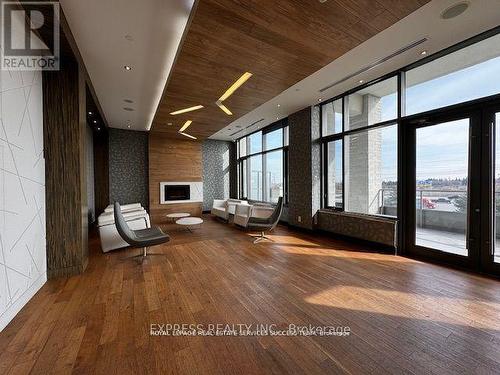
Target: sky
[442, 149]
[273, 160]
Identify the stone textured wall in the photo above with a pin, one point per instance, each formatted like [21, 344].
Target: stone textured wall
[368, 228]
[128, 167]
[305, 183]
[90, 175]
[315, 162]
[300, 188]
[216, 171]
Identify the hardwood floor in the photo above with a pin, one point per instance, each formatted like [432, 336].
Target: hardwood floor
[405, 316]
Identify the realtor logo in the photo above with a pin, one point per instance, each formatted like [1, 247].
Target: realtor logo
[29, 35]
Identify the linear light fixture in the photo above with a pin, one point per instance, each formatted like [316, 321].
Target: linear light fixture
[224, 108]
[187, 135]
[185, 126]
[235, 86]
[186, 110]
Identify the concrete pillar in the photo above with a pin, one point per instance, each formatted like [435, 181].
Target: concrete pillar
[364, 152]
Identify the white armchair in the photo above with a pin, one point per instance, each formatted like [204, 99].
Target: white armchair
[223, 208]
[219, 209]
[244, 212]
[231, 205]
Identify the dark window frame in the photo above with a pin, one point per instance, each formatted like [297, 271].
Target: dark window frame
[401, 117]
[325, 140]
[281, 124]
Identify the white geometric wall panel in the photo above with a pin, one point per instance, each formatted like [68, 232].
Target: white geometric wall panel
[23, 268]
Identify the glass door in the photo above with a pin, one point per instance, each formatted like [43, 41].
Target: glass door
[442, 190]
[490, 249]
[495, 250]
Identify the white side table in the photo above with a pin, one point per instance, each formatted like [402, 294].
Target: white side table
[188, 222]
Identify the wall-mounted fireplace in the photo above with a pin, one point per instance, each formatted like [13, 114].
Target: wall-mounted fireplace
[181, 192]
[177, 193]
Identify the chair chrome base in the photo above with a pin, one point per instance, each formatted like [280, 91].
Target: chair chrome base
[145, 254]
[262, 237]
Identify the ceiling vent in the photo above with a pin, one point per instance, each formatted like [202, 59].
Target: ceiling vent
[376, 63]
[249, 126]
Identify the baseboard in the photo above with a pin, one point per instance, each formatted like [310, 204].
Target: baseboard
[14, 309]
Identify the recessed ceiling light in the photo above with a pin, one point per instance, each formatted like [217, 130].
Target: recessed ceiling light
[186, 110]
[128, 126]
[126, 67]
[95, 121]
[279, 105]
[169, 123]
[320, 99]
[454, 10]
[185, 126]
[361, 81]
[90, 113]
[128, 109]
[423, 53]
[98, 128]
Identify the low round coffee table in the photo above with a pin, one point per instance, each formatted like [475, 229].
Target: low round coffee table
[188, 222]
[177, 215]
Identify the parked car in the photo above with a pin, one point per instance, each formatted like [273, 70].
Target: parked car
[441, 200]
[426, 202]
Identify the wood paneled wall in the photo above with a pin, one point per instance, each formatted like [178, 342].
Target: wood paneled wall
[65, 169]
[172, 160]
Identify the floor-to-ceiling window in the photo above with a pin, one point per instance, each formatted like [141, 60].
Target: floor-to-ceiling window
[451, 155]
[496, 190]
[360, 150]
[262, 161]
[444, 111]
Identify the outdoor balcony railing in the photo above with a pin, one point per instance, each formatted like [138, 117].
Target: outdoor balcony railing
[444, 209]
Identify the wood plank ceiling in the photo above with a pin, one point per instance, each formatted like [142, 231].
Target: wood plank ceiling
[281, 42]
